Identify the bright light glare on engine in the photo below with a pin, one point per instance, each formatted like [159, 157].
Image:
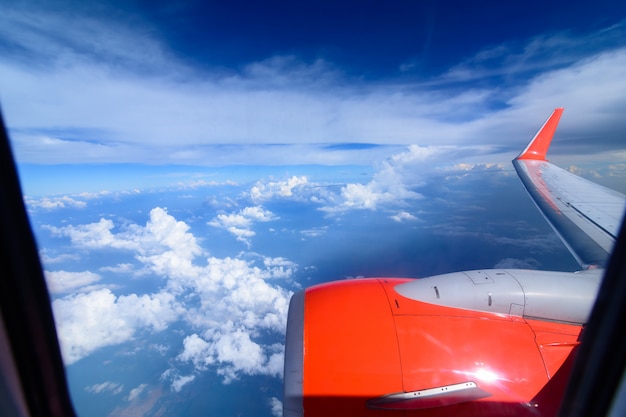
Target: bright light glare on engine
[485, 375]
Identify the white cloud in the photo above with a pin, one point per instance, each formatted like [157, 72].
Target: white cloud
[265, 190]
[124, 268]
[276, 406]
[316, 232]
[53, 203]
[476, 167]
[162, 349]
[540, 243]
[236, 294]
[398, 178]
[47, 259]
[403, 216]
[93, 235]
[240, 351]
[258, 214]
[230, 301]
[392, 183]
[596, 91]
[513, 263]
[240, 224]
[86, 322]
[581, 172]
[64, 281]
[196, 349]
[177, 381]
[162, 240]
[136, 392]
[536, 54]
[195, 184]
[235, 353]
[94, 195]
[178, 384]
[278, 267]
[112, 387]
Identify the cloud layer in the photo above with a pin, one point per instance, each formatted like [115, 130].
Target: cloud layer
[230, 302]
[120, 96]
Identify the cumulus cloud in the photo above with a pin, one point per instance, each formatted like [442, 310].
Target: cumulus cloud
[403, 216]
[86, 322]
[237, 305]
[232, 302]
[235, 353]
[240, 224]
[278, 267]
[392, 186]
[194, 348]
[265, 190]
[276, 406]
[163, 239]
[393, 182]
[93, 235]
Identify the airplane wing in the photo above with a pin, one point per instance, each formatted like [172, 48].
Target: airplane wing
[485, 342]
[586, 216]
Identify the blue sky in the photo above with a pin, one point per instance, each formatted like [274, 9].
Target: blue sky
[175, 156]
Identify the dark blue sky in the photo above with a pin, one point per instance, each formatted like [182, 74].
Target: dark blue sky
[365, 38]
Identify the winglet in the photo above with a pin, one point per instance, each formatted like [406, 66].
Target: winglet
[538, 147]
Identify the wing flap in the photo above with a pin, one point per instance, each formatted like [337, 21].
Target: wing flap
[586, 216]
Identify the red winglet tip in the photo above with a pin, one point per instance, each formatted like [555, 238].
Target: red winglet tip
[538, 146]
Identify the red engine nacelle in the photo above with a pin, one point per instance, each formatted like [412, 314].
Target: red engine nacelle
[358, 347]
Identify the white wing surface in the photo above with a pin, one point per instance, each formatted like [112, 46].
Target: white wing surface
[586, 216]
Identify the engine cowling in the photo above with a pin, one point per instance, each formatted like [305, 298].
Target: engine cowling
[362, 347]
